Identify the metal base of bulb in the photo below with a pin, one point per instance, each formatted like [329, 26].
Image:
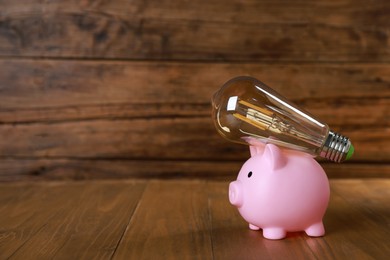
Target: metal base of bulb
[336, 147]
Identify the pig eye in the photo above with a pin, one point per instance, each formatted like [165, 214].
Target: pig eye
[249, 174]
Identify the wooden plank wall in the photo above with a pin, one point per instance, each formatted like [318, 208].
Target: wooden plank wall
[120, 89]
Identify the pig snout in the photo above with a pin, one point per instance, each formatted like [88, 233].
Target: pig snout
[235, 193]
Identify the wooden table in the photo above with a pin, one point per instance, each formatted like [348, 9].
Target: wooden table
[180, 219]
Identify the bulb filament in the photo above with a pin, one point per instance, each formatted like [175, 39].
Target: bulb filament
[267, 120]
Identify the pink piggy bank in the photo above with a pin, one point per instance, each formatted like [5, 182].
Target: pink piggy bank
[280, 191]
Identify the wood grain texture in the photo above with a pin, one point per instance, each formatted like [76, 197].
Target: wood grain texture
[179, 220]
[90, 169]
[207, 30]
[172, 222]
[231, 239]
[126, 85]
[49, 91]
[180, 139]
[107, 110]
[365, 210]
[65, 220]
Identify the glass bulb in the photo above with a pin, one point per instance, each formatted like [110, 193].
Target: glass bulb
[247, 111]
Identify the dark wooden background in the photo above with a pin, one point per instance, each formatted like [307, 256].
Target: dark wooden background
[120, 89]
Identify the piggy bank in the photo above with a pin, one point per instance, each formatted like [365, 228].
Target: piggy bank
[280, 191]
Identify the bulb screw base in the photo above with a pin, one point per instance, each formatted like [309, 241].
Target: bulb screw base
[337, 148]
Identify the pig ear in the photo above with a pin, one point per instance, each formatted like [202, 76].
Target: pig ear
[275, 156]
[255, 150]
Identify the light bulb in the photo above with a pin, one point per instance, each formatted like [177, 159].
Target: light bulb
[247, 111]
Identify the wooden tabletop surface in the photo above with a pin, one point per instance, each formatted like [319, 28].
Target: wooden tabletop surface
[179, 219]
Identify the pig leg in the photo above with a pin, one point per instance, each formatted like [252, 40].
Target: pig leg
[253, 227]
[274, 233]
[316, 230]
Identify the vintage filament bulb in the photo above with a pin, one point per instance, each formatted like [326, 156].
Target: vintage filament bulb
[247, 111]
